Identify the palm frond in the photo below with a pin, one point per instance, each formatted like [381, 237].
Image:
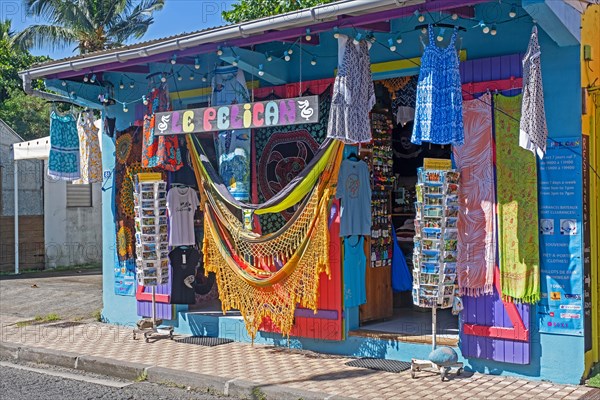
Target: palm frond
[38, 36]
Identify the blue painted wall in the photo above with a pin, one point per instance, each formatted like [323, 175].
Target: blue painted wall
[561, 72]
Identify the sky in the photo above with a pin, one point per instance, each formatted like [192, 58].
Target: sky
[177, 16]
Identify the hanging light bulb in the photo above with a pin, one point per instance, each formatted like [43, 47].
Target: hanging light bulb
[308, 36]
[219, 51]
[174, 59]
[260, 70]
[163, 78]
[179, 77]
[63, 83]
[399, 39]
[424, 30]
[391, 44]
[290, 51]
[420, 17]
[131, 85]
[192, 77]
[358, 38]
[236, 60]
[486, 29]
[454, 16]
[286, 56]
[336, 32]
[493, 31]
[86, 78]
[125, 109]
[313, 61]
[440, 36]
[204, 78]
[513, 11]
[145, 100]
[93, 78]
[268, 56]
[197, 63]
[121, 85]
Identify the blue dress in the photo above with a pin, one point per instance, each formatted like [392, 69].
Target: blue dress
[355, 270]
[438, 109]
[63, 160]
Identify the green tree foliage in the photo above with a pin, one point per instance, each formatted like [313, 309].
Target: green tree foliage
[247, 10]
[27, 115]
[89, 25]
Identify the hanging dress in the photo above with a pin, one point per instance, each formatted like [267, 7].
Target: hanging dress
[533, 132]
[353, 95]
[159, 151]
[438, 109]
[355, 270]
[63, 160]
[90, 157]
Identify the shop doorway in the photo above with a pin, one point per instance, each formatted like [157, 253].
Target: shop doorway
[389, 312]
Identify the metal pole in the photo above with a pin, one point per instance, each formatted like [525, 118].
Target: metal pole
[433, 326]
[16, 188]
[153, 306]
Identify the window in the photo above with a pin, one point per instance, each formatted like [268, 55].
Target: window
[79, 195]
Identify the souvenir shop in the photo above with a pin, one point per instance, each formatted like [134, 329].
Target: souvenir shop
[370, 182]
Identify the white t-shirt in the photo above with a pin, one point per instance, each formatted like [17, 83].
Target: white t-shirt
[182, 204]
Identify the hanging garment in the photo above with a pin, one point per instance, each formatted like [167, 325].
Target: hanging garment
[182, 203]
[517, 196]
[233, 147]
[159, 151]
[354, 189]
[63, 160]
[533, 130]
[477, 217]
[438, 116]
[90, 157]
[355, 270]
[184, 261]
[353, 94]
[401, 276]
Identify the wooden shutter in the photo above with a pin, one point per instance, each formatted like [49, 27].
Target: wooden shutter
[491, 328]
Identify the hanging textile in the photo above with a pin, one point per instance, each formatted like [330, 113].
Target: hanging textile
[533, 130]
[282, 152]
[476, 219]
[353, 93]
[233, 147]
[63, 160]
[355, 270]
[267, 276]
[159, 151]
[354, 191]
[403, 100]
[518, 239]
[438, 116]
[401, 276]
[290, 195]
[90, 157]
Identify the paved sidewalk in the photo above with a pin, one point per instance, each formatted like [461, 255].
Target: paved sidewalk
[253, 371]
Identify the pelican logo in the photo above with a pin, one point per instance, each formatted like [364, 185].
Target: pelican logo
[306, 111]
[164, 123]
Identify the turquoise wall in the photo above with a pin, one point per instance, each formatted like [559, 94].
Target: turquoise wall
[561, 73]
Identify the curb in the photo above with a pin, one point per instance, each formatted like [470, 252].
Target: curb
[235, 387]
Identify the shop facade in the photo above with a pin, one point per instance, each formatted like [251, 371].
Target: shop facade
[490, 335]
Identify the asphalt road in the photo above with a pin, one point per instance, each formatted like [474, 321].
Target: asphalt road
[20, 384]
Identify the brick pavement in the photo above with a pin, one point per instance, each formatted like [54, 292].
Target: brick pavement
[270, 366]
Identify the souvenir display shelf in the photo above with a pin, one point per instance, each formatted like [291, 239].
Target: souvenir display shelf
[434, 256]
[378, 248]
[151, 245]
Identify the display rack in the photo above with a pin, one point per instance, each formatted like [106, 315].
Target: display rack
[435, 251]
[152, 246]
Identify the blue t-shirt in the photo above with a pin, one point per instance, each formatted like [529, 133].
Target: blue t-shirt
[354, 190]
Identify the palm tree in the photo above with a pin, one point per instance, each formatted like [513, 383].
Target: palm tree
[91, 25]
[5, 30]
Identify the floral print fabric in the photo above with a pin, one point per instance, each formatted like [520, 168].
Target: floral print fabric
[518, 238]
[63, 160]
[438, 109]
[90, 157]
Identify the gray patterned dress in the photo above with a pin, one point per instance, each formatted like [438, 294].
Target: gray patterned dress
[533, 130]
[353, 96]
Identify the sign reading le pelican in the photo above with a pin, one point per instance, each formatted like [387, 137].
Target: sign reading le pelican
[260, 114]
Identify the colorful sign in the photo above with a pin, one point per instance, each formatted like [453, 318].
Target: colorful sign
[260, 114]
[440, 164]
[560, 198]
